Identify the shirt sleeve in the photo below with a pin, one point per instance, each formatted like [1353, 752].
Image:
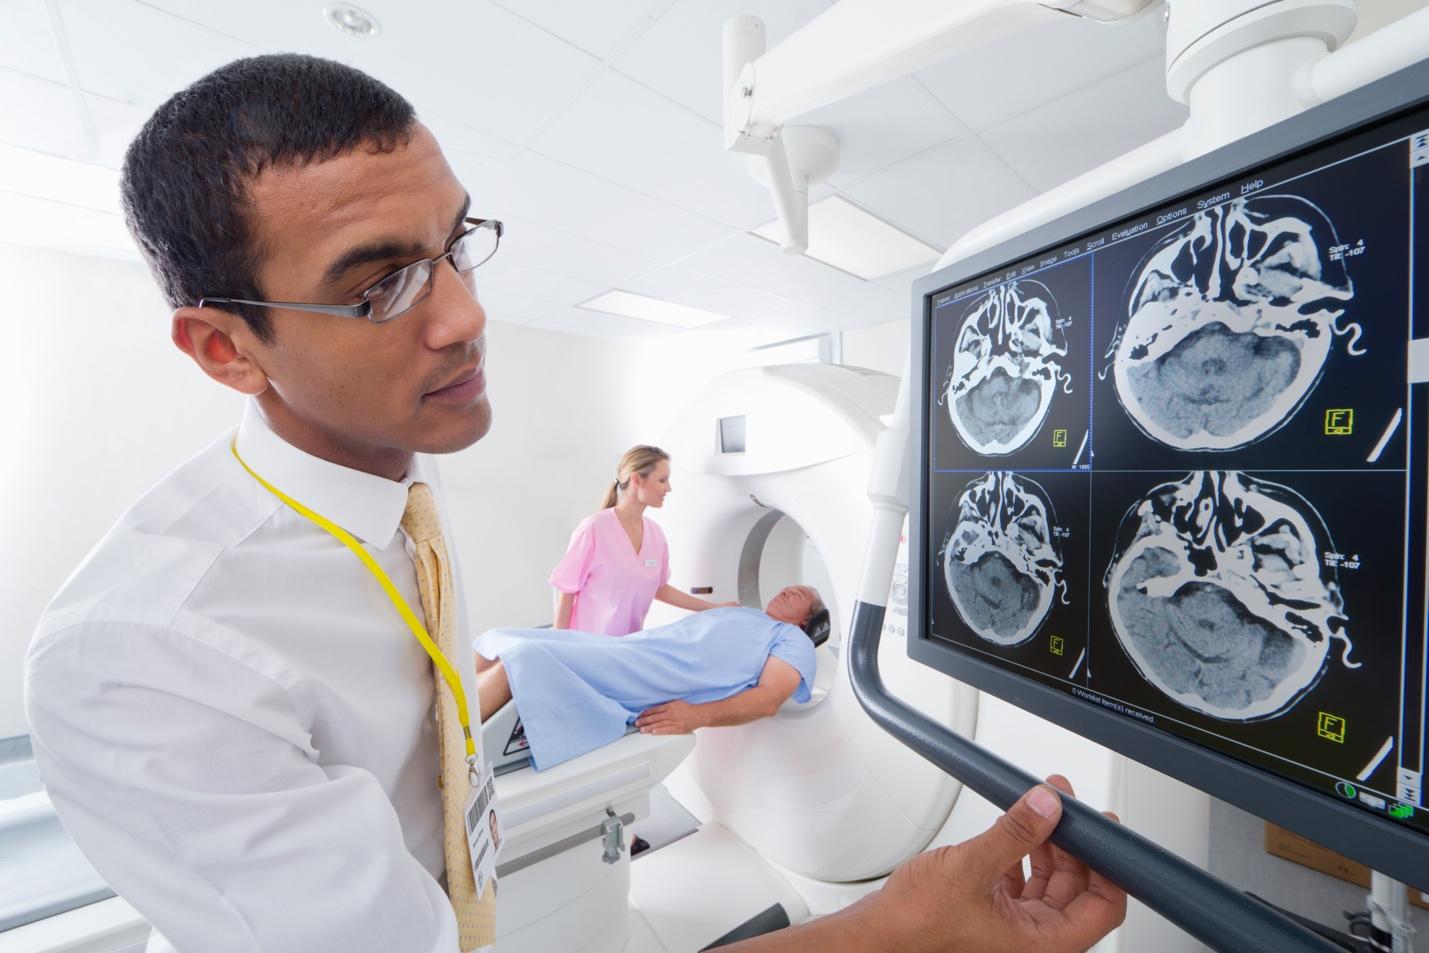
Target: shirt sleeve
[572, 571]
[795, 647]
[190, 781]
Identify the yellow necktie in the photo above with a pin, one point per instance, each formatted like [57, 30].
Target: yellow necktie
[475, 917]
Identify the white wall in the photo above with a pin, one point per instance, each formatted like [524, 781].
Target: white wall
[98, 406]
[562, 414]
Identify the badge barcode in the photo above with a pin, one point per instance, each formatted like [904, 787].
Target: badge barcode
[482, 800]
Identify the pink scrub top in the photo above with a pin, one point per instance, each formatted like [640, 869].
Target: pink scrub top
[613, 584]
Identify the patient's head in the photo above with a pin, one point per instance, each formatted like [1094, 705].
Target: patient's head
[795, 604]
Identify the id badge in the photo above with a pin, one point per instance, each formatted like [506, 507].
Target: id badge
[483, 829]
[651, 563]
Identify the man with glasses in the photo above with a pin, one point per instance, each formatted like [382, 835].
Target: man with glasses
[231, 699]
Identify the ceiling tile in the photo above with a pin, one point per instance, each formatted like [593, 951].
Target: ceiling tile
[40, 115]
[27, 43]
[939, 194]
[69, 181]
[802, 317]
[40, 223]
[623, 132]
[609, 326]
[682, 54]
[985, 86]
[513, 308]
[736, 334]
[548, 192]
[695, 290]
[902, 281]
[163, 54]
[115, 124]
[1084, 129]
[867, 303]
[461, 139]
[508, 277]
[882, 125]
[537, 247]
[596, 28]
[474, 62]
[759, 264]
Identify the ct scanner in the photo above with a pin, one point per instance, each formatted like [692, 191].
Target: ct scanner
[810, 809]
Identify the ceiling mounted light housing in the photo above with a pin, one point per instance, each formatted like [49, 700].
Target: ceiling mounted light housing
[643, 308]
[352, 20]
[845, 236]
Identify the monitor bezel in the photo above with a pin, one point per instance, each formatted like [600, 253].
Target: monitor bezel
[1379, 843]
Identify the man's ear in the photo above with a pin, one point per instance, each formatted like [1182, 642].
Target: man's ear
[222, 345]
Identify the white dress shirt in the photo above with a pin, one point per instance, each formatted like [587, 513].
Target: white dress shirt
[233, 721]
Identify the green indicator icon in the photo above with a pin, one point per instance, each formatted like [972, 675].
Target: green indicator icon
[1402, 812]
[1056, 645]
[1331, 727]
[1346, 790]
[1059, 438]
[1339, 422]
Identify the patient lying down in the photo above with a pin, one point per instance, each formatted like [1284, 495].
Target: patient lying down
[576, 691]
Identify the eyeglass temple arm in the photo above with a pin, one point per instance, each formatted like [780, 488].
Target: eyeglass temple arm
[346, 310]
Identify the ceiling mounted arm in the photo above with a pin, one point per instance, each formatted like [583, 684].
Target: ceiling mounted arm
[854, 46]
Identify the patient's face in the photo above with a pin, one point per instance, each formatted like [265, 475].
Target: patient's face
[792, 604]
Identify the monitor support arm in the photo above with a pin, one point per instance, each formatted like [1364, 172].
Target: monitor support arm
[1283, 53]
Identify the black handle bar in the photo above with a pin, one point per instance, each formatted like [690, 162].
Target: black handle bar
[1211, 911]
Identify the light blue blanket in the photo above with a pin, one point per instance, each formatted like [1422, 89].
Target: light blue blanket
[576, 691]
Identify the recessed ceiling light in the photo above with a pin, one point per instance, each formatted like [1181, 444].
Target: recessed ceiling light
[629, 305]
[354, 21]
[845, 236]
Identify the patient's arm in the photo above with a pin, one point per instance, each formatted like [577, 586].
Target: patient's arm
[680, 599]
[776, 683]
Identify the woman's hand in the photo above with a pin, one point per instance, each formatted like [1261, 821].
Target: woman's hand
[671, 718]
[725, 605]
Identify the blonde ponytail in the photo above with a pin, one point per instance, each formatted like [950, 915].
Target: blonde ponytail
[641, 459]
[612, 494]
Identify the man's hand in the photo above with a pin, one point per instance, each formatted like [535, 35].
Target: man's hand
[973, 896]
[671, 718]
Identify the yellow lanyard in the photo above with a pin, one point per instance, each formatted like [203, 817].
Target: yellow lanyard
[449, 674]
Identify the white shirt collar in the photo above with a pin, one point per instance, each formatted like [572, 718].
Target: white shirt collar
[369, 507]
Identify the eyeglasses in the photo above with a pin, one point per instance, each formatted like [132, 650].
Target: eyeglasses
[402, 290]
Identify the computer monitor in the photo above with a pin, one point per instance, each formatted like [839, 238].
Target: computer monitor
[1174, 468]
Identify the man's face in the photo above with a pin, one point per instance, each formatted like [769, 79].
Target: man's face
[413, 384]
[791, 604]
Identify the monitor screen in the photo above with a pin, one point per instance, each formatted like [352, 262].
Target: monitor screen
[1174, 475]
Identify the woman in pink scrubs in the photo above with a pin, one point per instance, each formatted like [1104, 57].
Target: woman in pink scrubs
[618, 562]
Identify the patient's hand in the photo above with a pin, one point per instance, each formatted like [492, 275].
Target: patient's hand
[671, 718]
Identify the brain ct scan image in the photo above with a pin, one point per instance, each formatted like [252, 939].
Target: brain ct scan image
[1218, 594]
[1171, 487]
[1001, 562]
[1008, 363]
[1229, 322]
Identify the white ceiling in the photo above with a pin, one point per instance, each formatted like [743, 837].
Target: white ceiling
[592, 129]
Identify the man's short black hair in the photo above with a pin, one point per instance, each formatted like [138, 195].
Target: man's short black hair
[186, 175]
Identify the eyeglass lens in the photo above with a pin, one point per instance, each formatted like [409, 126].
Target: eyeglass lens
[400, 291]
